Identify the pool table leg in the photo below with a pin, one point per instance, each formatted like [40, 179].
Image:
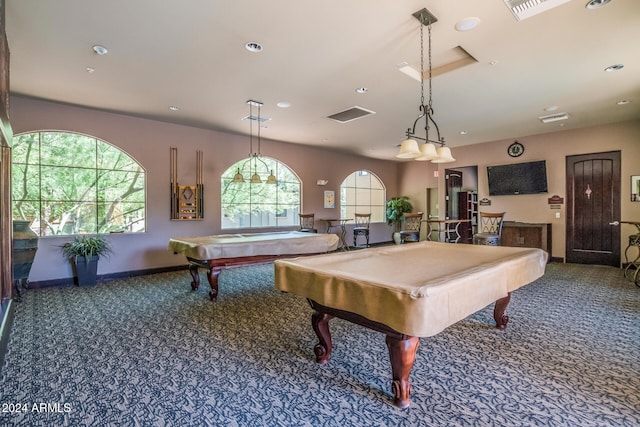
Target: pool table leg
[498, 312]
[212, 278]
[320, 323]
[402, 352]
[193, 270]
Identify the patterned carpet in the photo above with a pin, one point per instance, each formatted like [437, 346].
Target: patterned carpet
[146, 351]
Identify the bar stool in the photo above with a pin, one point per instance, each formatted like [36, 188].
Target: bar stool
[490, 227]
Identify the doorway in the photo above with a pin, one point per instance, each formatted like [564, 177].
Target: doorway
[453, 180]
[593, 204]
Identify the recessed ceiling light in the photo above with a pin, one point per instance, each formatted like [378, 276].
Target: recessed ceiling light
[623, 102]
[100, 50]
[464, 132]
[595, 4]
[90, 70]
[284, 104]
[253, 47]
[615, 67]
[361, 90]
[467, 24]
[173, 108]
[552, 108]
[494, 62]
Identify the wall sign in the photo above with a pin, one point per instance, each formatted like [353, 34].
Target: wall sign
[555, 200]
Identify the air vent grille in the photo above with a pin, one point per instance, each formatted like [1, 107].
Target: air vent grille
[554, 117]
[350, 114]
[523, 9]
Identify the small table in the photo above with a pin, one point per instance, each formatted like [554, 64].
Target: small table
[632, 270]
[340, 224]
[446, 227]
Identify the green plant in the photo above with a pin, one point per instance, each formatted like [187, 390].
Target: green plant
[86, 246]
[396, 207]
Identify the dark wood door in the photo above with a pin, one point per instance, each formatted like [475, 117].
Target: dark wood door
[593, 203]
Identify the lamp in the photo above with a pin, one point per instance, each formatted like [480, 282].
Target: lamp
[255, 158]
[409, 148]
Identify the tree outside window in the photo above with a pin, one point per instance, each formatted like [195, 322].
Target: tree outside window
[67, 184]
[260, 205]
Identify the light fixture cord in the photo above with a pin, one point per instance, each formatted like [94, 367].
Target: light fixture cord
[250, 129]
[259, 129]
[427, 109]
[422, 61]
[430, 94]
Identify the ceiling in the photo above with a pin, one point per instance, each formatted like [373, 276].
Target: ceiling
[191, 54]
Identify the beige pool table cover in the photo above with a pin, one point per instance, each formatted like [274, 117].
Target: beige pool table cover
[253, 244]
[417, 289]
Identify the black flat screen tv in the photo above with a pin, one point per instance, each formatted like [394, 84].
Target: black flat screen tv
[518, 178]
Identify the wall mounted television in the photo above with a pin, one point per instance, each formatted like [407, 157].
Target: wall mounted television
[518, 178]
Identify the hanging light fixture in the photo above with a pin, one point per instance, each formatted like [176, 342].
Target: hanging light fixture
[255, 158]
[409, 148]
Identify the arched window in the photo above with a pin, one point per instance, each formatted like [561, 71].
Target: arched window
[363, 192]
[67, 184]
[259, 205]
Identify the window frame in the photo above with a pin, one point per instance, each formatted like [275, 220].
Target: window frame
[283, 214]
[348, 207]
[96, 200]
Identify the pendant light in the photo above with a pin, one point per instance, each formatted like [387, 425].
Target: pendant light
[409, 148]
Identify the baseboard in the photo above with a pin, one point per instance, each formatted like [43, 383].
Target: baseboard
[6, 322]
[105, 277]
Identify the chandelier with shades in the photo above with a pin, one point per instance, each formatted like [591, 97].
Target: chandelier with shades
[409, 148]
[254, 163]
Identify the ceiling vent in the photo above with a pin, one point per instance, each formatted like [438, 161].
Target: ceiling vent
[523, 9]
[554, 117]
[350, 114]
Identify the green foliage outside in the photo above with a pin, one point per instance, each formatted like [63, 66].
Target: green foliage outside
[246, 205]
[68, 184]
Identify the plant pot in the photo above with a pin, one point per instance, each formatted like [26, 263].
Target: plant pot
[396, 237]
[25, 245]
[86, 270]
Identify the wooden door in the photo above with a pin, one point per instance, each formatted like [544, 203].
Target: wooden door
[593, 203]
[453, 180]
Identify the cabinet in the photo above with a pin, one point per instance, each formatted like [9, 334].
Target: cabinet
[526, 235]
[468, 209]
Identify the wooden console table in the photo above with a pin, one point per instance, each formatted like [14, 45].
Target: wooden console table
[527, 235]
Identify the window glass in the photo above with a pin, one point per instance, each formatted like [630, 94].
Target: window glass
[362, 192]
[66, 184]
[260, 205]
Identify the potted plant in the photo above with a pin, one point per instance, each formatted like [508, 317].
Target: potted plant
[83, 252]
[396, 207]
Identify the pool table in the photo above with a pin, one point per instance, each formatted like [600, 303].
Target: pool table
[407, 291]
[214, 253]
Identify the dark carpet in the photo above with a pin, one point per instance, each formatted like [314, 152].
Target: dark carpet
[146, 351]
